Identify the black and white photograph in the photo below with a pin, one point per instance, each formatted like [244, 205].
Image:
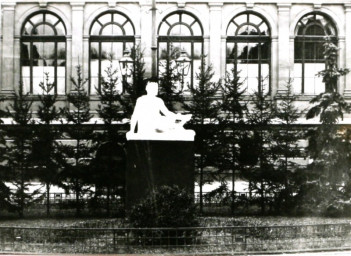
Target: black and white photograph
[175, 127]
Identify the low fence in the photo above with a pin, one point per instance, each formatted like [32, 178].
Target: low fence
[176, 240]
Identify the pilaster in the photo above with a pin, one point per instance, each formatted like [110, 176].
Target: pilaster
[215, 38]
[341, 63]
[8, 13]
[146, 35]
[77, 35]
[283, 46]
[347, 87]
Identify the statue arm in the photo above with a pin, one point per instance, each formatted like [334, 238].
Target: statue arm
[164, 110]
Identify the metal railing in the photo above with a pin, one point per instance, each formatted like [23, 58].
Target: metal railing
[176, 240]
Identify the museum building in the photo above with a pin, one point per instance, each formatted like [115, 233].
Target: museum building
[271, 39]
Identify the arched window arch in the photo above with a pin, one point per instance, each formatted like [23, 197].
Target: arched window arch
[248, 50]
[179, 31]
[310, 33]
[111, 33]
[43, 51]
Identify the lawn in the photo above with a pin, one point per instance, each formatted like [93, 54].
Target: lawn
[204, 222]
[264, 234]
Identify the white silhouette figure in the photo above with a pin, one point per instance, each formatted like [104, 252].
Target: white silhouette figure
[147, 115]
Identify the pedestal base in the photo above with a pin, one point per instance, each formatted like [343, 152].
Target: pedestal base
[151, 164]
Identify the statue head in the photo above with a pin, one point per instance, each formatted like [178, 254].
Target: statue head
[152, 88]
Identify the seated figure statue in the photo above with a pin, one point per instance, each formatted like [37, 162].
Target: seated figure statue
[151, 124]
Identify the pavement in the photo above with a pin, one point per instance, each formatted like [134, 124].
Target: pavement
[338, 253]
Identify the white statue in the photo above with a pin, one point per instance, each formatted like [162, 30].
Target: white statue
[153, 125]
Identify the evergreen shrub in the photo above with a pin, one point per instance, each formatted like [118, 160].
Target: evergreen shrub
[166, 207]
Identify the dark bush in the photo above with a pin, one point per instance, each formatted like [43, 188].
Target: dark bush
[166, 207]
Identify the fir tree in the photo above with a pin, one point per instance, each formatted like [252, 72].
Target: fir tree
[285, 147]
[105, 174]
[19, 150]
[78, 155]
[261, 173]
[136, 88]
[231, 122]
[205, 109]
[169, 78]
[4, 190]
[325, 142]
[46, 155]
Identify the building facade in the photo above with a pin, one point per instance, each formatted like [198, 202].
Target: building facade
[269, 39]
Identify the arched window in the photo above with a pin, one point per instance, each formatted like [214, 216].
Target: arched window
[181, 31]
[310, 32]
[43, 51]
[248, 50]
[110, 34]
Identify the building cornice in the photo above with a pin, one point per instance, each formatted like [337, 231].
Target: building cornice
[77, 6]
[8, 6]
[315, 3]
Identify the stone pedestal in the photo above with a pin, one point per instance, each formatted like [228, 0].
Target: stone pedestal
[153, 163]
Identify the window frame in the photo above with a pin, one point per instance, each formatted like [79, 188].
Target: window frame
[107, 39]
[168, 39]
[311, 39]
[261, 39]
[43, 39]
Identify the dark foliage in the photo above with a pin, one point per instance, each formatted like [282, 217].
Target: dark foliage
[231, 135]
[204, 107]
[46, 157]
[262, 174]
[285, 147]
[18, 152]
[136, 88]
[75, 175]
[171, 88]
[168, 207]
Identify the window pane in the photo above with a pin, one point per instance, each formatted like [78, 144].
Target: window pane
[60, 29]
[315, 30]
[163, 29]
[94, 67]
[187, 19]
[95, 30]
[112, 30]
[197, 51]
[61, 51]
[248, 52]
[196, 29]
[119, 18]
[106, 50]
[231, 29]
[264, 29]
[44, 30]
[37, 54]
[254, 19]
[241, 19]
[162, 51]
[105, 18]
[25, 58]
[25, 80]
[37, 18]
[230, 52]
[173, 19]
[265, 52]
[313, 83]
[128, 28]
[247, 30]
[298, 51]
[51, 19]
[49, 51]
[180, 30]
[27, 29]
